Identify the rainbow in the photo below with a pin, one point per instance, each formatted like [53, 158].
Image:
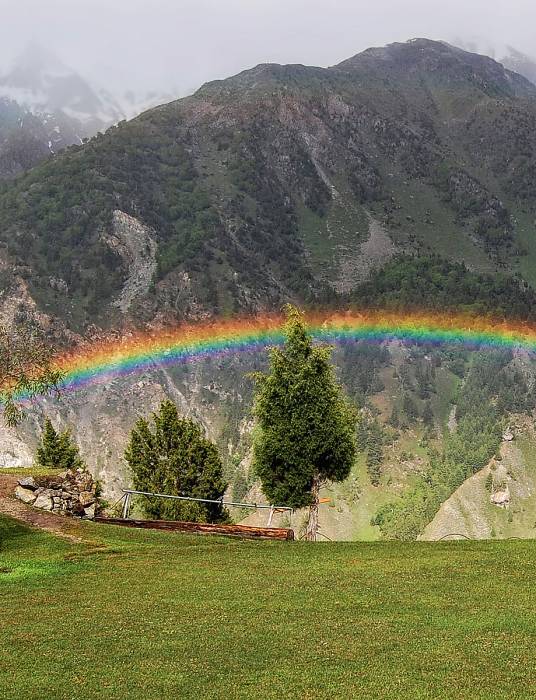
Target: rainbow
[135, 352]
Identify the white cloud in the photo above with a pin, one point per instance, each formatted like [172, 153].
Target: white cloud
[182, 43]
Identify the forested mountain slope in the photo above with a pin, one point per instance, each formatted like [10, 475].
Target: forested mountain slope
[284, 182]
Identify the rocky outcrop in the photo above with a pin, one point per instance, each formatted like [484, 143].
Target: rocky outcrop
[69, 493]
[135, 245]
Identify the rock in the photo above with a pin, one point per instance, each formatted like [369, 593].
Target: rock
[508, 435]
[25, 495]
[90, 511]
[86, 498]
[44, 500]
[28, 482]
[77, 509]
[501, 498]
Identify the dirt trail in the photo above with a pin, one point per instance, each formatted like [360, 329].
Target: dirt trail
[67, 528]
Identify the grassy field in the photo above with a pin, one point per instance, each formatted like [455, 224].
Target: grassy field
[133, 614]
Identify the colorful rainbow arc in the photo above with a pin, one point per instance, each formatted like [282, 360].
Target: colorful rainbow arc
[108, 359]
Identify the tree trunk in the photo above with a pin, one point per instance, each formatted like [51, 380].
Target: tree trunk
[312, 523]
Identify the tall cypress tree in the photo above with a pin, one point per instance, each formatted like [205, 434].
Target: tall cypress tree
[57, 450]
[174, 457]
[307, 427]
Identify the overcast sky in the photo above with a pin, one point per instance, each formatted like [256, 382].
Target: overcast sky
[179, 44]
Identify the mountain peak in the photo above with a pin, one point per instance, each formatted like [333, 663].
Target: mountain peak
[426, 57]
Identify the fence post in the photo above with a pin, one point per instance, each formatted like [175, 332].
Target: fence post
[126, 506]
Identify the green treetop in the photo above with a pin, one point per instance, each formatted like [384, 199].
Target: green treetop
[306, 426]
[57, 450]
[174, 457]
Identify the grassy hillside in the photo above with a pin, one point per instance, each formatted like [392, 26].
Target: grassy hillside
[150, 615]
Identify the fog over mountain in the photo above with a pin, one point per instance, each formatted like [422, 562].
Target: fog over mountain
[173, 46]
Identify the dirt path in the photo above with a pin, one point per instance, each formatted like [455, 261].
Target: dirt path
[56, 524]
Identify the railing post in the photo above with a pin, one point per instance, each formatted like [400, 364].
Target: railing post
[126, 506]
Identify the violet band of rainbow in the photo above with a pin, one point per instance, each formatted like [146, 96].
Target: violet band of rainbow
[139, 352]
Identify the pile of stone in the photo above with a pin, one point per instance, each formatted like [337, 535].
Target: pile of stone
[67, 493]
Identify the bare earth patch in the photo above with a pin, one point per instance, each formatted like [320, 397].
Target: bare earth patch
[67, 528]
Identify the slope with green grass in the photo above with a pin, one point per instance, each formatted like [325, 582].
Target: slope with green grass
[135, 614]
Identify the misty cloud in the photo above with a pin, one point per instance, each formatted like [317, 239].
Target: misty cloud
[175, 45]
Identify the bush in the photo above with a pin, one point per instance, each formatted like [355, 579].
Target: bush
[175, 458]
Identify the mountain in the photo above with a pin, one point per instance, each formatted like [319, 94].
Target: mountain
[41, 83]
[46, 106]
[26, 138]
[401, 177]
[284, 182]
[520, 63]
[510, 57]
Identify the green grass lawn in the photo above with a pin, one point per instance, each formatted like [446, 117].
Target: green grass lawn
[139, 614]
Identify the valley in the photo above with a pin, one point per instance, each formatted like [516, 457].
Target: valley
[397, 179]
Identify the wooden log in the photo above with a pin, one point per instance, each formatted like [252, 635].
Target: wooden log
[245, 531]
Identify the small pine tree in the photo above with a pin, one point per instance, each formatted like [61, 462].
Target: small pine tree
[410, 409]
[57, 450]
[394, 420]
[174, 457]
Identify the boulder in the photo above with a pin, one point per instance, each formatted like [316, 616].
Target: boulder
[44, 500]
[54, 483]
[90, 512]
[501, 498]
[28, 482]
[77, 509]
[86, 498]
[25, 495]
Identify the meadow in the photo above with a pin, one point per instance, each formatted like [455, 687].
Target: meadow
[138, 614]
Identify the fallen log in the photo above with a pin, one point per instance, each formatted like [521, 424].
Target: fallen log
[245, 531]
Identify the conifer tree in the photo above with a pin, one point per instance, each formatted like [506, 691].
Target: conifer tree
[57, 450]
[410, 409]
[306, 426]
[374, 453]
[174, 457]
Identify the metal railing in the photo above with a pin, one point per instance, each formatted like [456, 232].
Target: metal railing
[128, 493]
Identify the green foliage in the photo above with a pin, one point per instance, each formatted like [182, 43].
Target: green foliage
[174, 457]
[26, 369]
[490, 389]
[374, 453]
[431, 282]
[410, 408]
[57, 450]
[427, 414]
[306, 427]
[370, 439]
[360, 366]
